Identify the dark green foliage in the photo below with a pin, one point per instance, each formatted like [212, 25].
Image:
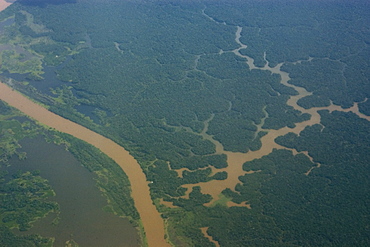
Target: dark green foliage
[313, 101]
[203, 147]
[322, 76]
[9, 239]
[248, 228]
[11, 131]
[25, 30]
[336, 199]
[4, 109]
[340, 68]
[20, 18]
[289, 31]
[195, 162]
[146, 78]
[196, 199]
[240, 131]
[193, 177]
[365, 107]
[24, 199]
[164, 181]
[342, 81]
[9, 11]
[281, 115]
[323, 200]
[220, 176]
[53, 53]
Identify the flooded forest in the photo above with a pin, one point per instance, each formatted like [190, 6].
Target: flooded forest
[185, 123]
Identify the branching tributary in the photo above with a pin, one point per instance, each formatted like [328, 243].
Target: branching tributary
[236, 160]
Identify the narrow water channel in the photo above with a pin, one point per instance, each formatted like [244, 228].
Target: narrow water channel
[150, 217]
[236, 160]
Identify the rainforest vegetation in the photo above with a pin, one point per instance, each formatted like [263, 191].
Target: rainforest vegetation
[163, 79]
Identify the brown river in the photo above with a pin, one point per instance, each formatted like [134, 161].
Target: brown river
[151, 219]
[4, 4]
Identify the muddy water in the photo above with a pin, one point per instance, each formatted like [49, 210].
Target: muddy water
[152, 222]
[4, 4]
[236, 160]
[204, 231]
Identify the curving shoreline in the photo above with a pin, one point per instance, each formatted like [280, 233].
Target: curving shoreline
[151, 219]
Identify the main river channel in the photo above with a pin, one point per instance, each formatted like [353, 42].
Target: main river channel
[151, 219]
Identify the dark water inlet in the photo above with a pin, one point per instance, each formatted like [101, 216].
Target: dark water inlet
[44, 86]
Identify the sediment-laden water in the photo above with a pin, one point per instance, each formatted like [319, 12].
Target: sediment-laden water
[151, 219]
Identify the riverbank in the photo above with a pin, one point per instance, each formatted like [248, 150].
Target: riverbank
[151, 219]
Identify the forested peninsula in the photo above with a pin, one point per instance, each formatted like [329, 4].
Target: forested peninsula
[250, 119]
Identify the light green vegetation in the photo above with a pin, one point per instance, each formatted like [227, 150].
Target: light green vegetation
[71, 243]
[222, 201]
[25, 46]
[11, 131]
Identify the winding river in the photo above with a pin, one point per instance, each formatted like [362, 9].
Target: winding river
[151, 219]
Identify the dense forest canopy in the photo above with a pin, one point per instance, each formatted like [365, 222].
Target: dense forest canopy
[185, 85]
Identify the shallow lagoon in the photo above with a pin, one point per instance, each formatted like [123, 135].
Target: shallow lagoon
[82, 218]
